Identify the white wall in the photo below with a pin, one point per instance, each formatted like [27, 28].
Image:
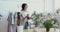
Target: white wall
[57, 4]
[33, 5]
[6, 6]
[11, 5]
[49, 6]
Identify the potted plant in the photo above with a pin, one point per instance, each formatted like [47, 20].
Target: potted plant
[37, 19]
[47, 24]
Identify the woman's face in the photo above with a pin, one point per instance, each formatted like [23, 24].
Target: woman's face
[25, 8]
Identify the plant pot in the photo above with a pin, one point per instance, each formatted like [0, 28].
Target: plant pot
[19, 28]
[47, 29]
[36, 29]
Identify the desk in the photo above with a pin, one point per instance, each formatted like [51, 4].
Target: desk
[42, 30]
[32, 30]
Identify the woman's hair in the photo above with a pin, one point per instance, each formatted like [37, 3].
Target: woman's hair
[18, 17]
[23, 6]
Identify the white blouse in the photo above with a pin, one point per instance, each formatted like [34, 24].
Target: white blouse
[24, 14]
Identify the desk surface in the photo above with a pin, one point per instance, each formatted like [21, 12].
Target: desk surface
[42, 30]
[32, 30]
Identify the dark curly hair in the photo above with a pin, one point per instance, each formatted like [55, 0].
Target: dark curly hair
[18, 22]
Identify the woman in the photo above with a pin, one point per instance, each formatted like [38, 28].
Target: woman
[25, 15]
[22, 18]
[18, 19]
[10, 22]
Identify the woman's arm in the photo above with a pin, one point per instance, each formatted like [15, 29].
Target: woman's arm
[25, 17]
[30, 16]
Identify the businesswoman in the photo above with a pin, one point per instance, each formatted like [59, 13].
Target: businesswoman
[22, 18]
